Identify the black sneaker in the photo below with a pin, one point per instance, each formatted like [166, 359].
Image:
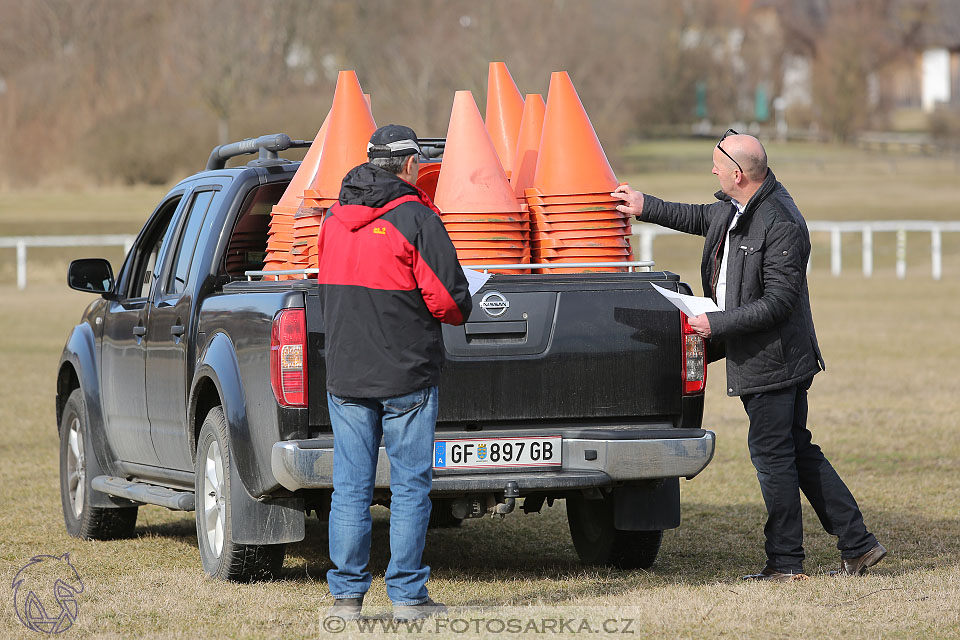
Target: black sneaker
[427, 609]
[345, 608]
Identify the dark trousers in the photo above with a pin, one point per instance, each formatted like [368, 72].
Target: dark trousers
[788, 462]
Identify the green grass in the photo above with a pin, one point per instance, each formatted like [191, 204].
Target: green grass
[885, 412]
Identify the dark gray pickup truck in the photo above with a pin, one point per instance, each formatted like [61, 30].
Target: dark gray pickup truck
[172, 391]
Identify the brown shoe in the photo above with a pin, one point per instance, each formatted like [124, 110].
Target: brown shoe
[859, 565]
[772, 575]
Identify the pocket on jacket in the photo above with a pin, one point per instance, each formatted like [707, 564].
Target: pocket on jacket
[750, 246]
[762, 352]
[406, 403]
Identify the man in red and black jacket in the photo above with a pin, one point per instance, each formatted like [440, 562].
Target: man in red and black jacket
[388, 277]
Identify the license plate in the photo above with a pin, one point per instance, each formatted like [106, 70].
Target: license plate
[497, 453]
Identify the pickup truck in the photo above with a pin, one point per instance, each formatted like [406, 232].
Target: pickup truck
[172, 391]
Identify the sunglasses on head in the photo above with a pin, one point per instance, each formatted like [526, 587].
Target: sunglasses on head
[729, 132]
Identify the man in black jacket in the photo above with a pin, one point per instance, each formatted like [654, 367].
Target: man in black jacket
[754, 268]
[388, 276]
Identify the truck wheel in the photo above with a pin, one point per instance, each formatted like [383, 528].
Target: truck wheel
[221, 557]
[81, 518]
[597, 541]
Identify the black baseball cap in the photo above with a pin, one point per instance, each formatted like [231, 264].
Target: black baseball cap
[392, 141]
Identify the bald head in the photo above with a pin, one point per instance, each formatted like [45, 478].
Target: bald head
[751, 155]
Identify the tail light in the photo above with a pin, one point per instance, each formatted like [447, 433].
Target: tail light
[694, 359]
[288, 358]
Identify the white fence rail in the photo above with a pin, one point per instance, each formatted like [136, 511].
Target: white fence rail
[22, 243]
[866, 229]
[646, 233]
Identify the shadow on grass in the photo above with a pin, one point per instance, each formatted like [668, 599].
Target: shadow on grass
[183, 531]
[531, 556]
[715, 542]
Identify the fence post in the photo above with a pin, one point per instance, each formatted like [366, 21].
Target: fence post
[21, 265]
[936, 247]
[836, 260]
[867, 251]
[901, 253]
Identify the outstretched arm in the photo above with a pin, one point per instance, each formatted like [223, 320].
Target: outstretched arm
[688, 218]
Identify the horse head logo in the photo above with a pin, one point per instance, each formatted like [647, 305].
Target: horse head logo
[45, 594]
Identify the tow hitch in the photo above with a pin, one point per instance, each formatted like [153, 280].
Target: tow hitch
[479, 506]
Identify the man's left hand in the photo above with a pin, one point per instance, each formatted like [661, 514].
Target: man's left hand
[700, 324]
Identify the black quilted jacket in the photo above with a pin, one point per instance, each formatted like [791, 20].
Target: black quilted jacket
[767, 329]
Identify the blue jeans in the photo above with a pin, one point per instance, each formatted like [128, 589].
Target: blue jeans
[407, 425]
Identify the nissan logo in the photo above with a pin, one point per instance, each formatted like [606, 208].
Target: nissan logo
[494, 304]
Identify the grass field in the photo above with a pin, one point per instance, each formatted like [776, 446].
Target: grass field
[885, 412]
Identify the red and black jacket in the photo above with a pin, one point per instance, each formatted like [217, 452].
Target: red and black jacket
[388, 277]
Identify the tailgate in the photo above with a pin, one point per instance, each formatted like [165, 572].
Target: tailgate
[564, 347]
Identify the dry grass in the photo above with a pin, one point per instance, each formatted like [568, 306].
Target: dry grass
[884, 412]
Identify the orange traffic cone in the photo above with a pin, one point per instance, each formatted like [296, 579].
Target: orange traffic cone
[350, 126]
[471, 177]
[573, 217]
[528, 143]
[504, 112]
[570, 159]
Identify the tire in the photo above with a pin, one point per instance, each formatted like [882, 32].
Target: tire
[83, 520]
[222, 558]
[598, 543]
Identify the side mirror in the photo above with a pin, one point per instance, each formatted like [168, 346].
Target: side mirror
[93, 275]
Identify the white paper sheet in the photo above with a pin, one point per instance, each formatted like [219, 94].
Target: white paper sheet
[690, 305]
[475, 279]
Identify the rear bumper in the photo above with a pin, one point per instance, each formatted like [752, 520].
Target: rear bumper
[590, 458]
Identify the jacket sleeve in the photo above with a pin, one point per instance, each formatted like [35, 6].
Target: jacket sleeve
[688, 218]
[438, 273]
[783, 273]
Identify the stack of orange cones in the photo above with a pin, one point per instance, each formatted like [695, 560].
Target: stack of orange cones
[485, 220]
[349, 127]
[280, 235]
[504, 111]
[573, 217]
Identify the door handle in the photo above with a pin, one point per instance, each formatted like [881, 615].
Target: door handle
[176, 330]
[139, 331]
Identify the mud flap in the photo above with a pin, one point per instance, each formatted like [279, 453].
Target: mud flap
[274, 521]
[651, 506]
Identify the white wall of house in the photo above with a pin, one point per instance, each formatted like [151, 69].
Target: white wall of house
[936, 78]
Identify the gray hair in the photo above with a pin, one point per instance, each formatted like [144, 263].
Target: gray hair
[393, 165]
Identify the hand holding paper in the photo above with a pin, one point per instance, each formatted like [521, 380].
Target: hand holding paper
[691, 306]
